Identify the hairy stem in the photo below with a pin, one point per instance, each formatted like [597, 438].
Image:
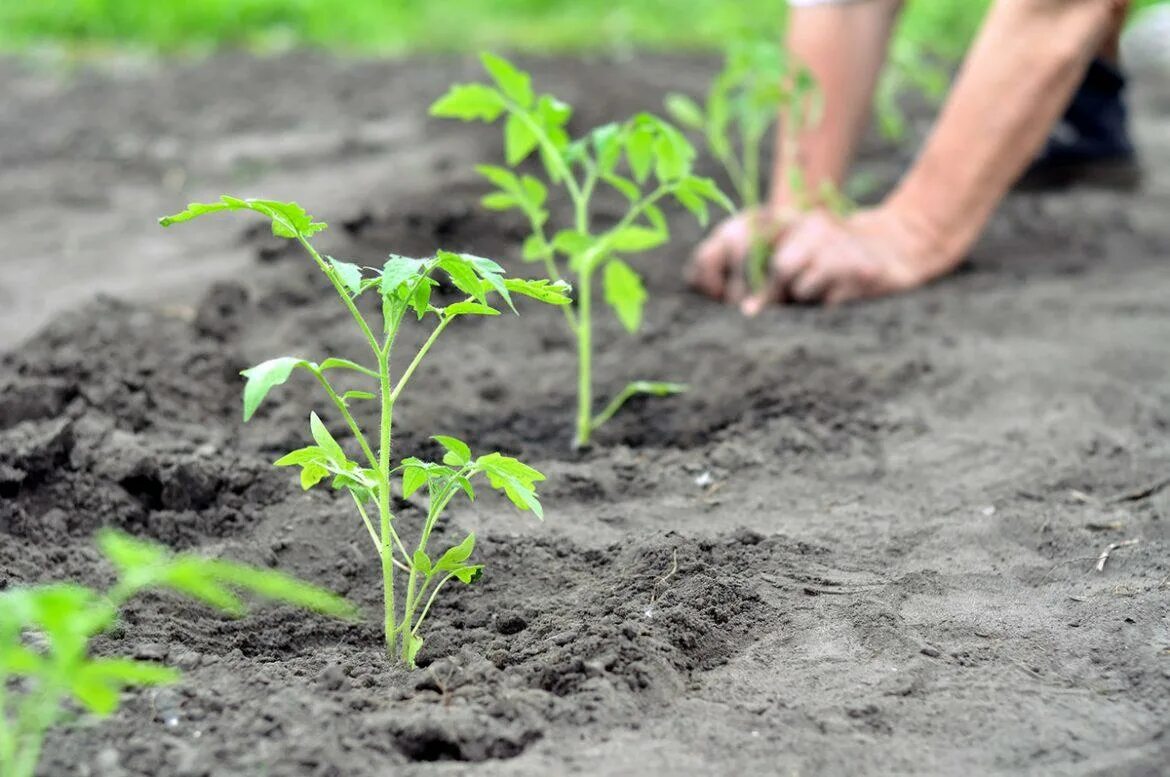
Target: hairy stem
[341, 292]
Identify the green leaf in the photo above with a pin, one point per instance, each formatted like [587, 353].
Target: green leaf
[97, 684]
[349, 274]
[333, 363]
[469, 309]
[310, 455]
[502, 177]
[513, 82]
[422, 563]
[516, 479]
[458, 452]
[705, 187]
[519, 140]
[288, 218]
[420, 300]
[264, 377]
[673, 155]
[279, 587]
[544, 290]
[454, 557]
[469, 574]
[492, 274]
[640, 152]
[628, 188]
[499, 201]
[535, 192]
[607, 144]
[127, 553]
[693, 203]
[685, 111]
[413, 478]
[536, 249]
[312, 474]
[634, 239]
[469, 102]
[625, 293]
[553, 115]
[571, 242]
[329, 446]
[463, 274]
[398, 272]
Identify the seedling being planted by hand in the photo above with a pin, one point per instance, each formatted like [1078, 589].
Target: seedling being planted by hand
[46, 631]
[403, 287]
[757, 85]
[657, 166]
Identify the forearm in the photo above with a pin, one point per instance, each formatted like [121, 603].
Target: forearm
[844, 46]
[1015, 83]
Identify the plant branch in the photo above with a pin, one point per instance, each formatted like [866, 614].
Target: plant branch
[342, 292]
[431, 600]
[418, 357]
[349, 419]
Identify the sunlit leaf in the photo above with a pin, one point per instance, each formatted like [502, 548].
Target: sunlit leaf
[458, 453]
[469, 102]
[625, 293]
[264, 377]
[513, 82]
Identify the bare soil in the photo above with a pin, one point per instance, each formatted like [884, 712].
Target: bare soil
[885, 518]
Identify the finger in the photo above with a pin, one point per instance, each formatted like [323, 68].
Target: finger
[812, 284]
[708, 268]
[840, 293]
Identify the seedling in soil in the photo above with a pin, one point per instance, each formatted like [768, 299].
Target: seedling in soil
[758, 84]
[403, 286]
[46, 633]
[659, 160]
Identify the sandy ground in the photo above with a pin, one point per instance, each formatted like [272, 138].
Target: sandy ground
[886, 517]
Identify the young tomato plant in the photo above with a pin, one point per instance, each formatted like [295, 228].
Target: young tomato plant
[403, 286]
[658, 158]
[46, 631]
[756, 86]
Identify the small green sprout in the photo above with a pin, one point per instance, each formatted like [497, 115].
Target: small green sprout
[758, 84]
[46, 633]
[403, 286]
[658, 165]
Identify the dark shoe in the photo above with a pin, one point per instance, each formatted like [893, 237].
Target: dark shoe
[1091, 144]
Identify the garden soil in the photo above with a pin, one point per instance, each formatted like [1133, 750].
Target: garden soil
[866, 541]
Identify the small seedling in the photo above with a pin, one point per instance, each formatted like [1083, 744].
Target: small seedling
[758, 84]
[403, 286]
[659, 160]
[46, 633]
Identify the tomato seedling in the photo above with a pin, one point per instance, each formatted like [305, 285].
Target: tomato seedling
[757, 85]
[46, 633]
[659, 160]
[403, 286]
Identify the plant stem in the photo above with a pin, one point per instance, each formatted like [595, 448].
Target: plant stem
[341, 292]
[387, 551]
[354, 429]
[431, 600]
[584, 359]
[418, 357]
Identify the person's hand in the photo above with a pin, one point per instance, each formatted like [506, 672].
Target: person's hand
[829, 260]
[717, 267]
